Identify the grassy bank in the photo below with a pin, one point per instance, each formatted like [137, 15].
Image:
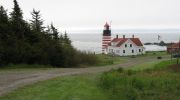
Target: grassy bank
[65, 88]
[155, 82]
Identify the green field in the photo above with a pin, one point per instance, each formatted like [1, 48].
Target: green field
[65, 88]
[110, 60]
[157, 81]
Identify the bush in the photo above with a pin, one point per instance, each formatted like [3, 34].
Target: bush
[159, 57]
[120, 70]
[130, 72]
[137, 83]
[84, 58]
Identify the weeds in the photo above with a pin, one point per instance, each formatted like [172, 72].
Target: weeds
[134, 85]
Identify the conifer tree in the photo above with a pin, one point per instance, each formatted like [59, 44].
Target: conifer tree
[3, 15]
[3, 32]
[48, 29]
[16, 14]
[17, 21]
[36, 22]
[66, 39]
[20, 41]
[3, 22]
[54, 32]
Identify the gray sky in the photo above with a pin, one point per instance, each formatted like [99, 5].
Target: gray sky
[124, 14]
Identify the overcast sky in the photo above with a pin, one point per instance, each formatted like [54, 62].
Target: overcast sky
[124, 14]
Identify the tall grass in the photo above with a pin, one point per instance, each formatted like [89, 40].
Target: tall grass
[157, 84]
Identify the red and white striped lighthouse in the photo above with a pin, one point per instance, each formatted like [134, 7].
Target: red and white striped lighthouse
[106, 37]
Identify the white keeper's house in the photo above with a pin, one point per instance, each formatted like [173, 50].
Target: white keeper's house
[125, 46]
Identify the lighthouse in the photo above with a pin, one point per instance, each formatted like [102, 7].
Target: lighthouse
[106, 38]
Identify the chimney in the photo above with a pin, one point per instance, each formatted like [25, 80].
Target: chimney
[133, 36]
[117, 36]
[123, 36]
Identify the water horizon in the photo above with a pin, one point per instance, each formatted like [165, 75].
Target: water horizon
[91, 41]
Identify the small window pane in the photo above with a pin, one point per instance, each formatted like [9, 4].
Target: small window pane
[125, 45]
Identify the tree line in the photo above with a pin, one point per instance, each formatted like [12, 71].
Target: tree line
[30, 42]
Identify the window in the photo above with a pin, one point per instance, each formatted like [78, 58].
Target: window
[125, 45]
[130, 45]
[139, 50]
[132, 51]
[124, 51]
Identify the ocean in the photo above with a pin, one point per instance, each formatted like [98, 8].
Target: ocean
[91, 42]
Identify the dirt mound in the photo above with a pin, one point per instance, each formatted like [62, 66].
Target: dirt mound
[175, 67]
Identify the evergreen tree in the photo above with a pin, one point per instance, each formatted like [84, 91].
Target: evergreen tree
[3, 15]
[36, 22]
[66, 39]
[48, 29]
[4, 30]
[3, 23]
[16, 15]
[54, 32]
[17, 21]
[61, 39]
[21, 42]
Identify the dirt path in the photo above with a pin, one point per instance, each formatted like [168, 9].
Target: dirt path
[11, 80]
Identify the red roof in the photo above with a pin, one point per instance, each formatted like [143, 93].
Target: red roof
[174, 45]
[137, 41]
[122, 40]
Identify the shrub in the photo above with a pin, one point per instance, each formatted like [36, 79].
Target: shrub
[159, 57]
[130, 72]
[87, 58]
[137, 83]
[120, 70]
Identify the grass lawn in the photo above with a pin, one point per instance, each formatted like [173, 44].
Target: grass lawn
[64, 88]
[151, 65]
[143, 66]
[25, 67]
[109, 60]
[156, 53]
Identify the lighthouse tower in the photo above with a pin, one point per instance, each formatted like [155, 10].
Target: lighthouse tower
[106, 37]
